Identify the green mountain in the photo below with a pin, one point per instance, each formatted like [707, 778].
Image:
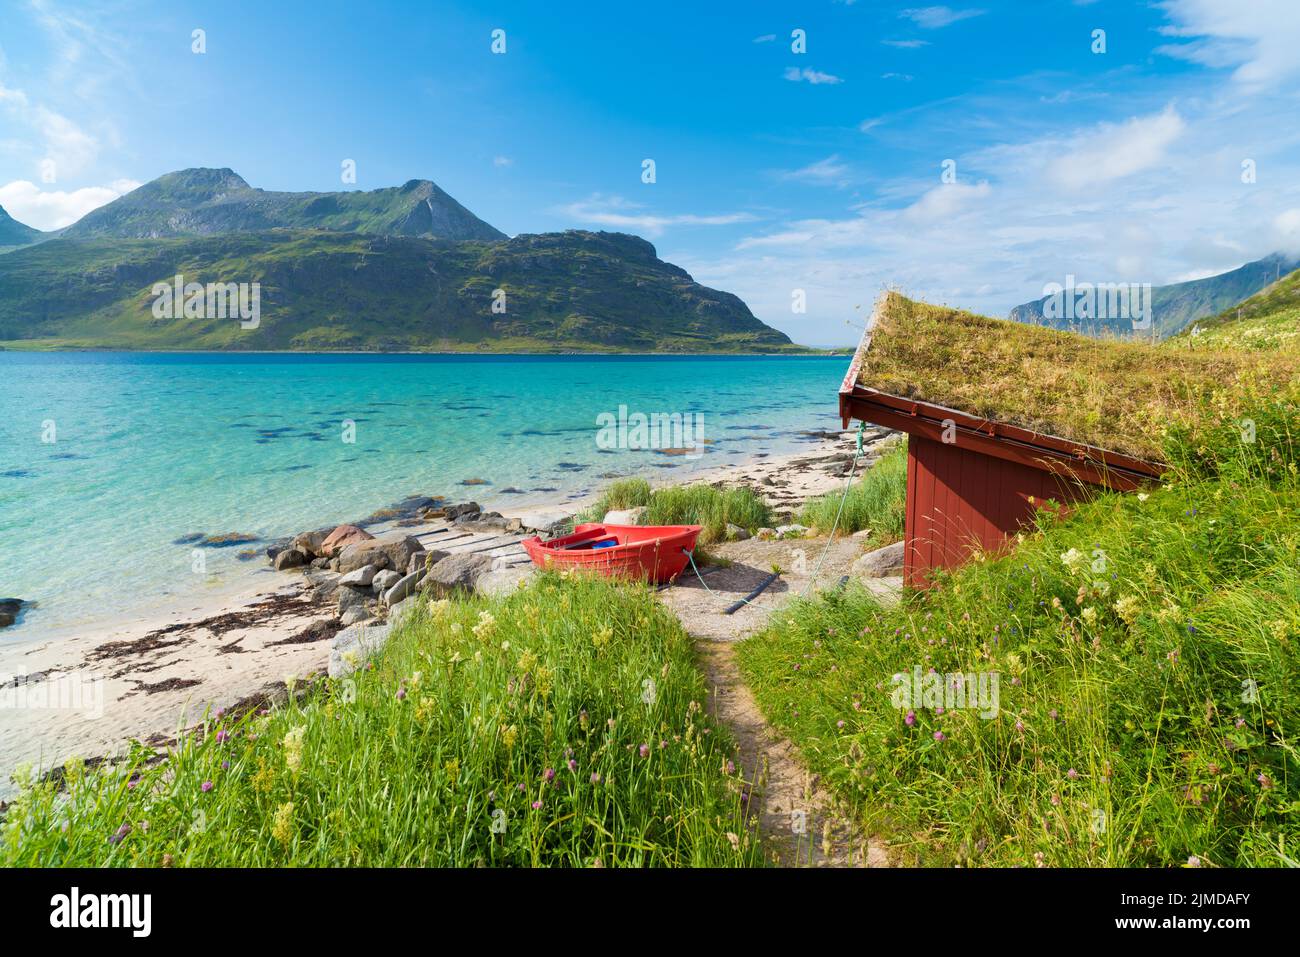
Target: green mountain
[206, 202]
[323, 290]
[1268, 320]
[14, 233]
[1176, 306]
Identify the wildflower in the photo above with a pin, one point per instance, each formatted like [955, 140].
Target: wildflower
[293, 747]
[1193, 861]
[1264, 780]
[282, 823]
[910, 719]
[225, 765]
[644, 750]
[1089, 615]
[595, 778]
[486, 622]
[839, 724]
[1020, 725]
[1074, 560]
[1056, 800]
[537, 805]
[1072, 774]
[509, 736]
[1128, 608]
[118, 836]
[1143, 496]
[734, 840]
[582, 719]
[205, 787]
[549, 775]
[573, 766]
[401, 693]
[940, 736]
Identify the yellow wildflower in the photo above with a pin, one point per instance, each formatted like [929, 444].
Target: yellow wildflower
[282, 824]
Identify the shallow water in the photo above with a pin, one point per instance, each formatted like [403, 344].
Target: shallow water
[108, 462]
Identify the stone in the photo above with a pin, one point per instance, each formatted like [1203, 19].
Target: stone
[456, 573]
[390, 550]
[360, 577]
[736, 534]
[290, 558]
[340, 538]
[625, 516]
[861, 534]
[385, 580]
[321, 562]
[791, 531]
[350, 598]
[404, 587]
[453, 512]
[401, 611]
[310, 542]
[882, 563]
[514, 526]
[355, 614]
[500, 582]
[354, 645]
[763, 534]
[483, 523]
[10, 609]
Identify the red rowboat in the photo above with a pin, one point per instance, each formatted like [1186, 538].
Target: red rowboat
[654, 552]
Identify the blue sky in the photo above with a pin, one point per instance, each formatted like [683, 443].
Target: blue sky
[776, 170]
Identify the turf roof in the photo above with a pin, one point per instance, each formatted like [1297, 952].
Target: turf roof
[1116, 395]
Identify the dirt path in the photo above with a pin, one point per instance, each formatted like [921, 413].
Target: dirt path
[797, 818]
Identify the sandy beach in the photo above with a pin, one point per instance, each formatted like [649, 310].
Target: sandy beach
[91, 693]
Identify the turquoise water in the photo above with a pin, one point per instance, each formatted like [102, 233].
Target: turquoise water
[148, 449]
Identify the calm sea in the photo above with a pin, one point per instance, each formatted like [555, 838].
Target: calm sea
[108, 462]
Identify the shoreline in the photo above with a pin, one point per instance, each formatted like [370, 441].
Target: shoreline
[149, 675]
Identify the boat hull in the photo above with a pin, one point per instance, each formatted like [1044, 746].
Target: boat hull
[646, 553]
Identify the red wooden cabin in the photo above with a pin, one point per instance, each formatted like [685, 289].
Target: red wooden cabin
[972, 481]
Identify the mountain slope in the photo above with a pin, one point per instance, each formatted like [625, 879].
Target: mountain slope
[205, 202]
[14, 233]
[1268, 320]
[320, 290]
[1176, 306]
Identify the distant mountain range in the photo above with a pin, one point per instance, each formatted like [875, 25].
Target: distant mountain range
[405, 268]
[14, 233]
[1173, 307]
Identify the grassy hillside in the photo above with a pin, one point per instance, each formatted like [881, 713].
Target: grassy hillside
[574, 291]
[14, 234]
[1147, 695]
[204, 202]
[560, 727]
[1176, 306]
[1268, 321]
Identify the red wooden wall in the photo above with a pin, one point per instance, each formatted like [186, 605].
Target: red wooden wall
[957, 499]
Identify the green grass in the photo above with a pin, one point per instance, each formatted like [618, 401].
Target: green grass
[1267, 321]
[412, 762]
[1146, 649]
[704, 505]
[876, 501]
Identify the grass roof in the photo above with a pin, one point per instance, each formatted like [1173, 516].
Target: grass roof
[1114, 394]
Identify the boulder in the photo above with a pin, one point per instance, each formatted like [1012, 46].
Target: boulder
[454, 512]
[354, 645]
[504, 581]
[791, 531]
[290, 558]
[390, 550]
[321, 562]
[625, 516]
[385, 580]
[882, 563]
[456, 573]
[404, 587]
[401, 611]
[10, 608]
[340, 538]
[483, 523]
[355, 614]
[360, 577]
[763, 534]
[736, 534]
[350, 598]
[310, 542]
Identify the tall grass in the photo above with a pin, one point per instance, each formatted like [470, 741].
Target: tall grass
[704, 505]
[1149, 682]
[876, 501]
[561, 726]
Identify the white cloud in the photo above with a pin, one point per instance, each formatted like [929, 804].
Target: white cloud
[70, 147]
[906, 44]
[905, 77]
[54, 209]
[622, 214]
[815, 77]
[945, 201]
[765, 38]
[1110, 152]
[827, 172]
[933, 18]
[1259, 38]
